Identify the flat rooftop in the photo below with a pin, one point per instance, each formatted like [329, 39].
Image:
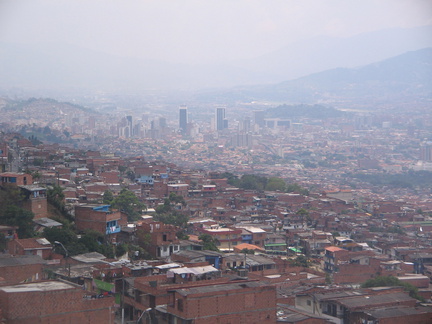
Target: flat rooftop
[38, 286]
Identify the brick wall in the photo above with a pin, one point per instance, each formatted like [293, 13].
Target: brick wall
[87, 218]
[37, 206]
[244, 305]
[58, 306]
[18, 273]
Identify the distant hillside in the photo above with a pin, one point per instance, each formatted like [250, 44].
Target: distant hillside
[310, 111]
[324, 53]
[41, 112]
[32, 107]
[40, 67]
[43, 119]
[402, 78]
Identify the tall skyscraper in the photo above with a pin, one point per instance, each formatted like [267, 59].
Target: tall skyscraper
[183, 119]
[426, 151]
[221, 121]
[259, 116]
[245, 125]
[129, 125]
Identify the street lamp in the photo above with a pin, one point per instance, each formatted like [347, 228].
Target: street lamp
[66, 258]
[145, 312]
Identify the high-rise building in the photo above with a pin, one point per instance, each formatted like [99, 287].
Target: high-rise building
[245, 125]
[426, 151]
[183, 119]
[162, 122]
[259, 116]
[129, 126]
[221, 121]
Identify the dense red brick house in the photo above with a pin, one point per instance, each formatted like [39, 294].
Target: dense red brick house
[99, 218]
[35, 200]
[20, 268]
[240, 302]
[53, 302]
[18, 179]
[163, 238]
[227, 238]
[394, 315]
[31, 246]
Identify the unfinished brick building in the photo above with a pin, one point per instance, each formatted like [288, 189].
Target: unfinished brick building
[53, 302]
[163, 238]
[99, 218]
[248, 302]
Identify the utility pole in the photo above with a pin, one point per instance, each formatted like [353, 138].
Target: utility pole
[66, 257]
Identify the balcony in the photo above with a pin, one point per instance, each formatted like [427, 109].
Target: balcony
[112, 230]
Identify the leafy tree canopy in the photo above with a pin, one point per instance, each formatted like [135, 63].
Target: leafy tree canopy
[275, 184]
[390, 281]
[90, 241]
[128, 203]
[209, 242]
[17, 216]
[108, 197]
[300, 261]
[247, 251]
[173, 218]
[256, 182]
[12, 213]
[410, 179]
[295, 187]
[167, 213]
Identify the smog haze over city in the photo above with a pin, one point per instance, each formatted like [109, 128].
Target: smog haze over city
[137, 45]
[200, 161]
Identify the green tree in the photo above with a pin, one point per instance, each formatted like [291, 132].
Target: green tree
[390, 281]
[92, 240]
[128, 203]
[274, 184]
[131, 175]
[144, 240]
[22, 218]
[304, 214]
[108, 197]
[247, 251]
[176, 199]
[253, 182]
[64, 235]
[181, 235]
[300, 261]
[167, 213]
[295, 187]
[173, 218]
[209, 243]
[55, 197]
[68, 238]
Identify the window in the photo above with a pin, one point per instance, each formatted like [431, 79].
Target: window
[180, 305]
[164, 237]
[309, 302]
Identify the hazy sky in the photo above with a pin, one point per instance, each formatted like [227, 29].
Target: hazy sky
[199, 30]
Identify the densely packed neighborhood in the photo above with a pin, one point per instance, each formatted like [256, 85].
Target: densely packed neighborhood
[190, 247]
